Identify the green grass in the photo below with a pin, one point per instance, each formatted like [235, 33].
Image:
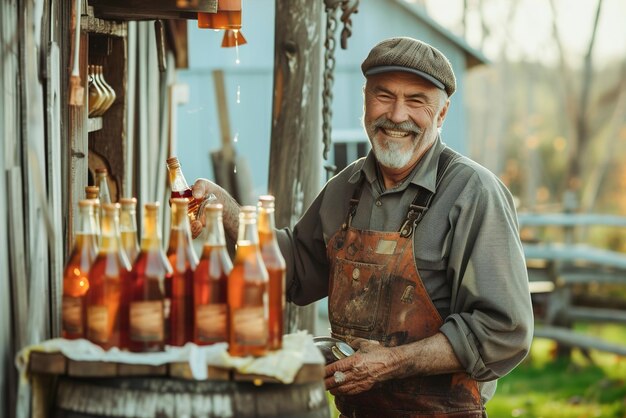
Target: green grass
[545, 387]
[562, 388]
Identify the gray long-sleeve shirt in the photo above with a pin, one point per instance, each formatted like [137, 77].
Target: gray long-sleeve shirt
[467, 251]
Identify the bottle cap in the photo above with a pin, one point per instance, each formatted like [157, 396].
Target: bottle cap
[128, 201]
[172, 162]
[111, 207]
[180, 201]
[151, 206]
[85, 203]
[266, 201]
[92, 192]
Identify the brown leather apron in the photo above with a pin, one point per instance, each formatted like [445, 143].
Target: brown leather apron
[376, 293]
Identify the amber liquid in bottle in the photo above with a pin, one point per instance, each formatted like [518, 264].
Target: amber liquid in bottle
[247, 292]
[276, 269]
[180, 188]
[145, 291]
[211, 283]
[75, 275]
[179, 285]
[128, 228]
[108, 273]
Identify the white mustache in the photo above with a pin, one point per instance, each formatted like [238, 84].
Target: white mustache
[407, 125]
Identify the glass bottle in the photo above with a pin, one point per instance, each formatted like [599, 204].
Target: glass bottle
[93, 193]
[75, 274]
[211, 282]
[180, 188]
[247, 291]
[107, 276]
[128, 228]
[276, 270]
[179, 285]
[145, 290]
[102, 181]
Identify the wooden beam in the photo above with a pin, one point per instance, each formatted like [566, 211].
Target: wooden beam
[573, 339]
[177, 39]
[295, 157]
[54, 180]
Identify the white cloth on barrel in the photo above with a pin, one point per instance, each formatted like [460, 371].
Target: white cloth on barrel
[283, 364]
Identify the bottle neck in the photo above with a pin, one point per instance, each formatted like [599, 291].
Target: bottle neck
[266, 221]
[215, 229]
[109, 232]
[151, 236]
[177, 179]
[180, 229]
[128, 219]
[104, 194]
[86, 221]
[248, 233]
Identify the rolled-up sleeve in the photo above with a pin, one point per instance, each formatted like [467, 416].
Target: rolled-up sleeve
[304, 251]
[491, 322]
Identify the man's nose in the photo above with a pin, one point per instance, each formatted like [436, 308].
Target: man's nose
[398, 112]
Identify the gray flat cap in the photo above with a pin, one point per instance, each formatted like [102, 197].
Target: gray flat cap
[413, 56]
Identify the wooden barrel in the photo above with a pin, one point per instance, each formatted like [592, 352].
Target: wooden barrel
[175, 398]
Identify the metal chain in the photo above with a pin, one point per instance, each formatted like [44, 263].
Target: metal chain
[329, 78]
[348, 7]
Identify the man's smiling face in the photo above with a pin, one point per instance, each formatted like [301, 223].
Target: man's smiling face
[402, 112]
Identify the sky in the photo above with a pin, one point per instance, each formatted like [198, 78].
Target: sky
[529, 36]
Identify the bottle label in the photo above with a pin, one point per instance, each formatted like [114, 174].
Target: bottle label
[146, 321]
[211, 323]
[250, 326]
[98, 324]
[72, 315]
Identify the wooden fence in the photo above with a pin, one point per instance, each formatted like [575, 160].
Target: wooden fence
[560, 271]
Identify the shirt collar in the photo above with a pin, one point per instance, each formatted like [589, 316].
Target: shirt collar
[424, 174]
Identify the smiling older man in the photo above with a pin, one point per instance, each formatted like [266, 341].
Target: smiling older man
[417, 249]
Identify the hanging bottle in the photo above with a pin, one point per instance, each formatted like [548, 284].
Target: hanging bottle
[93, 193]
[102, 181]
[228, 16]
[179, 285]
[211, 282]
[76, 272]
[145, 291]
[180, 188]
[128, 228]
[107, 276]
[247, 291]
[276, 269]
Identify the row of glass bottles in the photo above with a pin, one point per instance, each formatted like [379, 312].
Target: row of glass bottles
[173, 298]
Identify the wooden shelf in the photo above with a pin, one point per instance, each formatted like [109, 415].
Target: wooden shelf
[94, 25]
[94, 124]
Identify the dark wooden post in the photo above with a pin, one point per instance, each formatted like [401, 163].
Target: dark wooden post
[295, 158]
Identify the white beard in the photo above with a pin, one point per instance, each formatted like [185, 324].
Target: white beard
[392, 154]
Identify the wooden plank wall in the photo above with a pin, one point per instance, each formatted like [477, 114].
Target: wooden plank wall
[31, 249]
[151, 128]
[296, 121]
[9, 130]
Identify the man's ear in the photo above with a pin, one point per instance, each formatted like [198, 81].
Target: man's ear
[443, 113]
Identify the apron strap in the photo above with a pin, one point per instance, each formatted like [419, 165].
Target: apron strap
[354, 202]
[422, 200]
